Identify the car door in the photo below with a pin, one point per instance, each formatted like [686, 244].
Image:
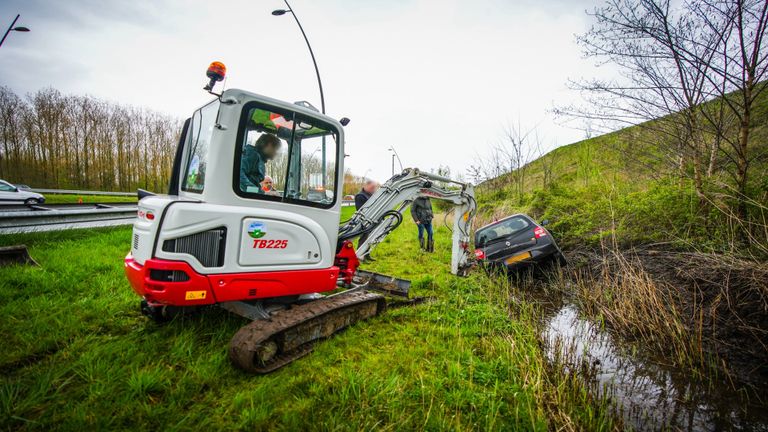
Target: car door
[8, 192]
[512, 236]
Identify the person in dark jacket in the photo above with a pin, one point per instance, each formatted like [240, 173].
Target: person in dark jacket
[362, 197]
[253, 160]
[421, 212]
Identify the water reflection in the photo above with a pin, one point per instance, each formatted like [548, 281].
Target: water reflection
[649, 395]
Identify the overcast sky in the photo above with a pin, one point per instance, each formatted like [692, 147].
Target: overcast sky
[436, 79]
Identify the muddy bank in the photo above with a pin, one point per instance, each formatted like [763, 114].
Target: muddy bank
[721, 301]
[673, 340]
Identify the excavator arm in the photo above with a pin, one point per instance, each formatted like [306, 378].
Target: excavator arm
[384, 212]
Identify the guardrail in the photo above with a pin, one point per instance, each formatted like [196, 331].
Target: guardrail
[81, 192]
[51, 220]
[347, 203]
[40, 218]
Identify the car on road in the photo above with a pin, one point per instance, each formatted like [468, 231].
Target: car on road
[10, 193]
[515, 242]
[319, 194]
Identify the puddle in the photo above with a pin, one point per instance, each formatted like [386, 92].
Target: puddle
[649, 395]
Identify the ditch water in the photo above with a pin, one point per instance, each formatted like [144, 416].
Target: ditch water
[647, 394]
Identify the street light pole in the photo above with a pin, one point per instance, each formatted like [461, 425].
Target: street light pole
[394, 153]
[12, 28]
[280, 12]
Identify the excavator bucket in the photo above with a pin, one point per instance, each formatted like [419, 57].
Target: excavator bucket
[384, 284]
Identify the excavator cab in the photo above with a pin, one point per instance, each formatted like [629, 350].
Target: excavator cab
[218, 232]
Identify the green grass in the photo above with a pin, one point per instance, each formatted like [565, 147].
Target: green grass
[78, 355]
[347, 212]
[71, 199]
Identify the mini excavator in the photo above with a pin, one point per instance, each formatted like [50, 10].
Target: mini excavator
[277, 256]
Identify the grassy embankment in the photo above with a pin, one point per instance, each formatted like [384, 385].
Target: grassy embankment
[619, 188]
[77, 354]
[607, 196]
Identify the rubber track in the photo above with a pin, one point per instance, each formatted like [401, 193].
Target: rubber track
[295, 330]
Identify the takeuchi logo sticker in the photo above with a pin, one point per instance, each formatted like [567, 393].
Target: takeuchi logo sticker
[257, 230]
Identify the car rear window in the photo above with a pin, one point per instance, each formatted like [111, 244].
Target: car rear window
[501, 230]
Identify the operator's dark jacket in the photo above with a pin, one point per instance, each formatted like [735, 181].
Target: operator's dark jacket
[252, 168]
[421, 210]
[361, 198]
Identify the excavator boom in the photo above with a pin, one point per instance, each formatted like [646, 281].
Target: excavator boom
[383, 212]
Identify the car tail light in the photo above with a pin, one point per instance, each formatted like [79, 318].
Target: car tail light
[539, 232]
[146, 215]
[479, 254]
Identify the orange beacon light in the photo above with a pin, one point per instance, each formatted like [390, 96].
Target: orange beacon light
[216, 72]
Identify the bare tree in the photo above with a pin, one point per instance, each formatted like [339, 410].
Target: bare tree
[548, 161]
[735, 75]
[506, 163]
[662, 55]
[519, 146]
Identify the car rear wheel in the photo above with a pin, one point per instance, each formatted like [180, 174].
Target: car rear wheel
[31, 201]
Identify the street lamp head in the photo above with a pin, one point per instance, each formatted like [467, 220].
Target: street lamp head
[279, 12]
[20, 29]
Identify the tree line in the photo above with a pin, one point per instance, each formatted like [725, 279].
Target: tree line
[52, 140]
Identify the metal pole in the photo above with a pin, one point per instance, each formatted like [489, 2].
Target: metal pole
[9, 29]
[393, 164]
[312, 54]
[394, 153]
[317, 72]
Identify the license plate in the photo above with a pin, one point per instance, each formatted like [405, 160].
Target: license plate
[518, 258]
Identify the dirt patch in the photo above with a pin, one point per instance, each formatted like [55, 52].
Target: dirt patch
[723, 300]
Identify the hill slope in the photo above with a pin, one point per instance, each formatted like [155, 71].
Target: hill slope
[621, 185]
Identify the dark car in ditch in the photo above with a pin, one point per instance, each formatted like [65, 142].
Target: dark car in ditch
[515, 242]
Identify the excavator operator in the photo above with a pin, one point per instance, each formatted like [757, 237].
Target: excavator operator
[253, 160]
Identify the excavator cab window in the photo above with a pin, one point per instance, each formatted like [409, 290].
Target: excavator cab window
[198, 139]
[297, 153]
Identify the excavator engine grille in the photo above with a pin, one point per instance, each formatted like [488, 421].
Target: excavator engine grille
[168, 275]
[207, 246]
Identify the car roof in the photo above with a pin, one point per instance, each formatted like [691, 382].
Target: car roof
[503, 219]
